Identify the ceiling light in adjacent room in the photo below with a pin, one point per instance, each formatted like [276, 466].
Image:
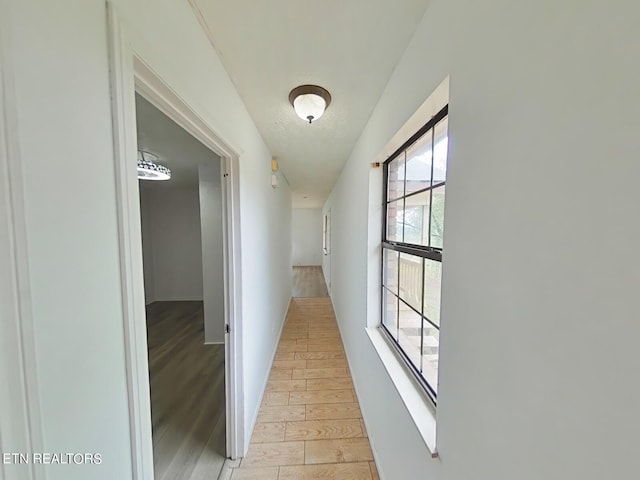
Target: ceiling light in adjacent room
[309, 101]
[148, 169]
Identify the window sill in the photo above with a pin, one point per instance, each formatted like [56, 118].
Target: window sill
[420, 408]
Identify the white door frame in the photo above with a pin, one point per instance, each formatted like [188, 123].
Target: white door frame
[20, 416]
[130, 74]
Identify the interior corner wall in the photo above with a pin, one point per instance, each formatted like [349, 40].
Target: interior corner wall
[306, 230]
[539, 332]
[211, 219]
[59, 66]
[147, 247]
[174, 235]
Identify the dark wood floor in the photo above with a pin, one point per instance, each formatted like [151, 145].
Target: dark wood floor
[187, 393]
[309, 282]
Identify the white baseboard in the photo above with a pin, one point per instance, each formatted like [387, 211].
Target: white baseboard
[178, 299]
[355, 387]
[254, 417]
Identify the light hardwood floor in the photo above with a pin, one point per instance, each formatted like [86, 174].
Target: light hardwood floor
[187, 393]
[309, 282]
[309, 425]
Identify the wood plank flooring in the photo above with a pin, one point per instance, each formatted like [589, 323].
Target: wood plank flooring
[309, 425]
[309, 282]
[187, 393]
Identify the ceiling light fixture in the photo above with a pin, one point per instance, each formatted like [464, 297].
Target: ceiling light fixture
[148, 169]
[309, 101]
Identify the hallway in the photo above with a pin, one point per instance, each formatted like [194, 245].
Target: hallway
[187, 393]
[309, 282]
[309, 425]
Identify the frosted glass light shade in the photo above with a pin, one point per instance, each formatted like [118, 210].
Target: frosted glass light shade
[309, 107]
[309, 101]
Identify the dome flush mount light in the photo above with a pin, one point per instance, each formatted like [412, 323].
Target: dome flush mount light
[148, 169]
[309, 101]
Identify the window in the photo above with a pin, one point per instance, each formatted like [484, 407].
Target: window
[414, 196]
[325, 233]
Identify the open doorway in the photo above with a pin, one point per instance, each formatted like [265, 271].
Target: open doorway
[182, 246]
[131, 75]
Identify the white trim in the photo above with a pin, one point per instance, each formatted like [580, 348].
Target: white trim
[326, 217]
[130, 74]
[20, 416]
[372, 444]
[178, 299]
[150, 86]
[374, 271]
[254, 417]
[420, 408]
[374, 451]
[432, 105]
[133, 301]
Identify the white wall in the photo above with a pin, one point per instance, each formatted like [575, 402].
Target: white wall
[539, 356]
[183, 246]
[147, 248]
[175, 263]
[212, 251]
[60, 70]
[306, 230]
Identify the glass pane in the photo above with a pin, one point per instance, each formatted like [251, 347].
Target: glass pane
[437, 216]
[390, 274]
[418, 164]
[430, 349]
[416, 218]
[409, 334]
[441, 142]
[390, 312]
[411, 280]
[432, 289]
[394, 221]
[395, 178]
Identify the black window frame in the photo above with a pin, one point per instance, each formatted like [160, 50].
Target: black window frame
[424, 252]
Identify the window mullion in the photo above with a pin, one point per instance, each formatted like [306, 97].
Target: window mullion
[422, 317]
[404, 193]
[398, 300]
[433, 156]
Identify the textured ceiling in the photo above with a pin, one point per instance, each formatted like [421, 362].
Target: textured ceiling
[349, 47]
